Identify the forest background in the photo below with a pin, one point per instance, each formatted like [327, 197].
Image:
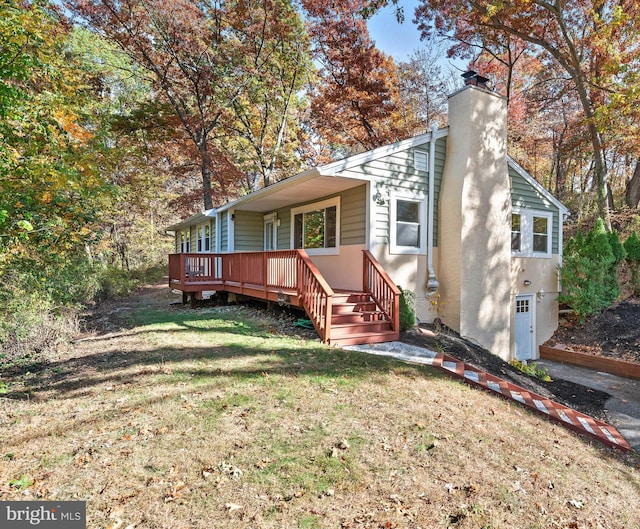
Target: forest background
[118, 118]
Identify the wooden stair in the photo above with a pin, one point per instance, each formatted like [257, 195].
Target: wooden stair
[356, 319]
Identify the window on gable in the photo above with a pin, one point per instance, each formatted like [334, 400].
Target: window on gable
[315, 227]
[408, 224]
[531, 233]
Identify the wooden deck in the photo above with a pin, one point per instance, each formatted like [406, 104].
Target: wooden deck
[290, 277]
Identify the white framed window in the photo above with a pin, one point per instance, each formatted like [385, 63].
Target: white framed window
[531, 233]
[316, 227]
[408, 223]
[516, 232]
[203, 238]
[185, 242]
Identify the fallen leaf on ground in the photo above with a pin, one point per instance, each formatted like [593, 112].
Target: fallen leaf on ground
[578, 504]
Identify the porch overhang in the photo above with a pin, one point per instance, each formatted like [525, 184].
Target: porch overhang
[304, 187]
[193, 219]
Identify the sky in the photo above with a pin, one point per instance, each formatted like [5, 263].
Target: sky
[397, 40]
[401, 40]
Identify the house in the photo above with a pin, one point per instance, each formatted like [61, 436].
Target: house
[447, 215]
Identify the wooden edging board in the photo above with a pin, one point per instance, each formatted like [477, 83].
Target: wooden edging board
[607, 365]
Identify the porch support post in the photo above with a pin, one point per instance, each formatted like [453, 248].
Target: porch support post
[183, 268]
[265, 271]
[365, 273]
[396, 312]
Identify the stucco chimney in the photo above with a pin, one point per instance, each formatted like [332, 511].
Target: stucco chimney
[475, 220]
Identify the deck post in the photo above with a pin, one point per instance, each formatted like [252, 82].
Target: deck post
[327, 320]
[396, 313]
[365, 274]
[183, 268]
[265, 276]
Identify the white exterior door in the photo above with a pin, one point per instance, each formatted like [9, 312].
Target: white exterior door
[524, 328]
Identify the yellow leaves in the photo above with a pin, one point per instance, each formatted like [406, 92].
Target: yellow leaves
[67, 122]
[46, 197]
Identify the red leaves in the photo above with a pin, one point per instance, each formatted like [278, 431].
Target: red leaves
[355, 106]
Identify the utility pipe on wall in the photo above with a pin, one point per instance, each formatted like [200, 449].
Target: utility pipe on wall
[432, 281]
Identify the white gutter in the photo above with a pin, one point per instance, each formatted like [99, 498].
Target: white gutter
[432, 281]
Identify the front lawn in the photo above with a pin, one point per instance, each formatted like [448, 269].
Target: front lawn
[177, 418]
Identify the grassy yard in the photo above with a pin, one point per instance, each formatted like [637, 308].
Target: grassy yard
[208, 418]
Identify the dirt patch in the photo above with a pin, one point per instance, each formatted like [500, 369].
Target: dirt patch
[585, 400]
[614, 333]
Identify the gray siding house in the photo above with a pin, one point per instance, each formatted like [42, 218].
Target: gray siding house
[447, 215]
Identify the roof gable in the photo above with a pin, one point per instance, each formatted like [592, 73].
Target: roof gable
[536, 185]
[380, 152]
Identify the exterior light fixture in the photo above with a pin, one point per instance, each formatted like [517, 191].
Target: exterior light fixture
[381, 196]
[527, 282]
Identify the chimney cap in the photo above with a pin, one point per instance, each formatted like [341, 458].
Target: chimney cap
[473, 78]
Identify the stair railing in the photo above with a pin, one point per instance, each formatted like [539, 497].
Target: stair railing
[377, 283]
[316, 295]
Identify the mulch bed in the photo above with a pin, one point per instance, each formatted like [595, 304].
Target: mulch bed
[615, 333]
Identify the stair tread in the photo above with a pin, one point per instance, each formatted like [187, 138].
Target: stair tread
[359, 323]
[356, 312]
[385, 332]
[362, 338]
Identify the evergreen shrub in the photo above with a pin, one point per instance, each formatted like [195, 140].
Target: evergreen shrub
[632, 247]
[589, 274]
[407, 311]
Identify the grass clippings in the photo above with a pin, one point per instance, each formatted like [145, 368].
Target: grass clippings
[181, 418]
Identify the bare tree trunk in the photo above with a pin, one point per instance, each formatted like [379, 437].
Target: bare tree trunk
[205, 168]
[632, 193]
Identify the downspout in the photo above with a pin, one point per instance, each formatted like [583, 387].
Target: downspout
[432, 281]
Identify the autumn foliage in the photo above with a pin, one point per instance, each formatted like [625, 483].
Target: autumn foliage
[355, 105]
[131, 114]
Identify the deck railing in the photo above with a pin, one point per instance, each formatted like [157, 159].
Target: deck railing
[383, 291]
[285, 270]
